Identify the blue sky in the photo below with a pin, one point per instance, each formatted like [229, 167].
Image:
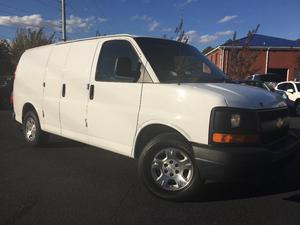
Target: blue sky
[209, 22]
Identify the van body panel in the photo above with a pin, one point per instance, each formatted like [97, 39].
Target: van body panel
[113, 112]
[28, 85]
[241, 96]
[168, 103]
[73, 107]
[104, 92]
[113, 116]
[53, 88]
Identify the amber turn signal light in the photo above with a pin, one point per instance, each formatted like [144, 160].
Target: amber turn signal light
[234, 138]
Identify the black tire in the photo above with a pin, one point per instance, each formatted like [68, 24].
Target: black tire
[150, 151]
[40, 138]
[6, 104]
[297, 104]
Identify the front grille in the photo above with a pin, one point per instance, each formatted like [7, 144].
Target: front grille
[274, 125]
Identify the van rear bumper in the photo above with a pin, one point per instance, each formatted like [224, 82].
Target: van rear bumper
[224, 163]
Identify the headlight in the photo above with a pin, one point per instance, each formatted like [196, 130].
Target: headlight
[233, 125]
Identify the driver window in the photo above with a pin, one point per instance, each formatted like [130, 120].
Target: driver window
[118, 62]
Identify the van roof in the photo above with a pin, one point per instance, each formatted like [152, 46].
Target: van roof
[84, 39]
[93, 38]
[97, 37]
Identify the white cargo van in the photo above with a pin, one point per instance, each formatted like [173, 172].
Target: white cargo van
[157, 100]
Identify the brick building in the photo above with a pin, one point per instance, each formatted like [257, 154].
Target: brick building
[274, 55]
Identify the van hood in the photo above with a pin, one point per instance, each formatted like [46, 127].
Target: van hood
[242, 96]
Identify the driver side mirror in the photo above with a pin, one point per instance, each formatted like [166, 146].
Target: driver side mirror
[290, 91]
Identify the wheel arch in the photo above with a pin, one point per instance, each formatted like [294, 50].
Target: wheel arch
[28, 106]
[149, 131]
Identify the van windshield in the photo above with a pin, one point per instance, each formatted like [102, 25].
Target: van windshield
[175, 62]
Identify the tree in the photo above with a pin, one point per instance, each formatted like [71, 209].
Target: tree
[298, 39]
[179, 33]
[6, 67]
[26, 39]
[241, 58]
[98, 34]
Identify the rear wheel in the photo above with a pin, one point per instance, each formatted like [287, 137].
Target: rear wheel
[167, 168]
[32, 130]
[297, 108]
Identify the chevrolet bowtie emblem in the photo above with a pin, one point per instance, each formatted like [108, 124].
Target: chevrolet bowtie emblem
[279, 122]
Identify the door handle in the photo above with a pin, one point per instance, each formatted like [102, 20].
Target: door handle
[92, 92]
[63, 93]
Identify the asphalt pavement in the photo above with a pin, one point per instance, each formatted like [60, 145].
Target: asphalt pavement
[72, 183]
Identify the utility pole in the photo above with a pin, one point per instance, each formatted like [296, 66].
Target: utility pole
[63, 20]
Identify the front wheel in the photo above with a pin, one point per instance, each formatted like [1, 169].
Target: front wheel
[167, 168]
[32, 130]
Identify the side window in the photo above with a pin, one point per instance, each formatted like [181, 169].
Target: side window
[118, 62]
[290, 86]
[282, 87]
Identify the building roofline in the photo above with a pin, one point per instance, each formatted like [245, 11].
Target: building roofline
[255, 47]
[211, 51]
[262, 47]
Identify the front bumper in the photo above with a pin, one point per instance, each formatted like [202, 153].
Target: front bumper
[223, 163]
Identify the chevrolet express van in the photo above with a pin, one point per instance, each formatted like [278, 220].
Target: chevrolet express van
[156, 100]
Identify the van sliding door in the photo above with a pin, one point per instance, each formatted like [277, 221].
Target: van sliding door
[52, 88]
[74, 90]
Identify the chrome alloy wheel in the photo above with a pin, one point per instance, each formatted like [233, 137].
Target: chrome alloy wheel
[30, 129]
[172, 169]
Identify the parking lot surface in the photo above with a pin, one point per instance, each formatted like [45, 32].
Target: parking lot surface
[72, 183]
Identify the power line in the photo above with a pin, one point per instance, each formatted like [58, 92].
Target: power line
[47, 4]
[96, 3]
[45, 24]
[18, 11]
[11, 7]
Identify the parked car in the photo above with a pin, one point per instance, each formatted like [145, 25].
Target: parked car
[6, 86]
[156, 100]
[268, 77]
[260, 84]
[270, 88]
[292, 90]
